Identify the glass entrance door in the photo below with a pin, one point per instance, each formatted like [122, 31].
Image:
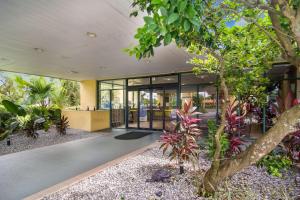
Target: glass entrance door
[158, 109]
[170, 98]
[152, 108]
[144, 109]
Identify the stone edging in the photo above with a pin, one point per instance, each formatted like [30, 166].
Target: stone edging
[68, 182]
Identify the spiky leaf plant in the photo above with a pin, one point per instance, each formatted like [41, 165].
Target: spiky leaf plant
[62, 125]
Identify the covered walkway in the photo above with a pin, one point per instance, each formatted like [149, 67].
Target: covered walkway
[28, 172]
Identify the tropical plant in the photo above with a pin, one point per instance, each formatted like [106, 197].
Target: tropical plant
[29, 122]
[71, 90]
[61, 125]
[9, 91]
[292, 144]
[38, 89]
[235, 114]
[182, 139]
[275, 163]
[58, 97]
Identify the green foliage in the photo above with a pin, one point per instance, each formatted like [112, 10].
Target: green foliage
[9, 91]
[212, 129]
[71, 92]
[38, 89]
[275, 163]
[14, 108]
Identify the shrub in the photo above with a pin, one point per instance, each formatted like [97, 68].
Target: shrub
[61, 125]
[275, 163]
[183, 138]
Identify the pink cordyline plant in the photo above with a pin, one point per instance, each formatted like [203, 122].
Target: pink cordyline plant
[182, 139]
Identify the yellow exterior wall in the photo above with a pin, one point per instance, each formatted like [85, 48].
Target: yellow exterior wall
[88, 120]
[88, 90]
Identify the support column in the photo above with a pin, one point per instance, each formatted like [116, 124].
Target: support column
[88, 90]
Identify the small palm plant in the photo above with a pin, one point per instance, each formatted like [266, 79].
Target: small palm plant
[182, 139]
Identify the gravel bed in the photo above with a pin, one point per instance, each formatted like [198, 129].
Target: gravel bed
[20, 142]
[127, 181]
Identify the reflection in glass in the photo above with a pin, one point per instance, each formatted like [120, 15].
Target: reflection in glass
[165, 79]
[132, 109]
[144, 111]
[157, 105]
[138, 81]
[105, 99]
[189, 93]
[117, 112]
[170, 109]
[207, 99]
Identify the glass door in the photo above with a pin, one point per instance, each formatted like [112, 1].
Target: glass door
[170, 99]
[132, 109]
[144, 109]
[158, 109]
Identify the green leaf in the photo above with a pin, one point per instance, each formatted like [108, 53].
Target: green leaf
[182, 6]
[172, 18]
[195, 22]
[186, 25]
[163, 11]
[4, 135]
[13, 108]
[167, 39]
[156, 1]
[148, 20]
[191, 11]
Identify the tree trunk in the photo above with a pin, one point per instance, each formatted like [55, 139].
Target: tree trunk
[209, 181]
[264, 145]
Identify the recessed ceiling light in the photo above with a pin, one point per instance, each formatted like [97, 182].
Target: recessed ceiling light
[39, 50]
[91, 35]
[74, 72]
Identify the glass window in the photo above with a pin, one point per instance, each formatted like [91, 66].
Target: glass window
[138, 81]
[190, 79]
[165, 79]
[107, 85]
[189, 93]
[105, 99]
[118, 84]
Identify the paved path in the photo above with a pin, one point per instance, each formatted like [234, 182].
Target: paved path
[25, 173]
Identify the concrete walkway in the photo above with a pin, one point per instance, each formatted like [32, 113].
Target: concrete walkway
[28, 172]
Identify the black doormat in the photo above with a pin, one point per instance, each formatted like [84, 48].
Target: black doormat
[132, 135]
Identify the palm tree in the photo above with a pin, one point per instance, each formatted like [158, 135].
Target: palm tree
[58, 97]
[38, 90]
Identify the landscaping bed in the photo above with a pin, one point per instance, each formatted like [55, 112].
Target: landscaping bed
[20, 142]
[130, 180]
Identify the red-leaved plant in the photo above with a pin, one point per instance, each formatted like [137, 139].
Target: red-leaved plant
[234, 120]
[182, 139]
[292, 141]
[235, 125]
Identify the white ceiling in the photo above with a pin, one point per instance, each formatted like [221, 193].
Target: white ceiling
[59, 27]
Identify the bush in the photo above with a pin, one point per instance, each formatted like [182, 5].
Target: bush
[275, 163]
[182, 140]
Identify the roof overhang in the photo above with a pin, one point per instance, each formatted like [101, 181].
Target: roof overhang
[50, 38]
